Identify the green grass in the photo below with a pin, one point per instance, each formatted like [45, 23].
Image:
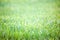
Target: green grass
[29, 20]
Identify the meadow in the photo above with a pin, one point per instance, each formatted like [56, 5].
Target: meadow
[29, 20]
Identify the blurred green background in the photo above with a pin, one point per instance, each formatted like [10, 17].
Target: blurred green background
[29, 19]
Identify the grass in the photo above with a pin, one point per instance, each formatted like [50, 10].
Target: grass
[29, 20]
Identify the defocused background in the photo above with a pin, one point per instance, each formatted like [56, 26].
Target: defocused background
[29, 19]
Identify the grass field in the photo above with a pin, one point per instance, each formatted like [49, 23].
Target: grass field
[29, 20]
